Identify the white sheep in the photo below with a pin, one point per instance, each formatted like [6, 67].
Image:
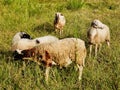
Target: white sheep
[98, 33]
[62, 52]
[24, 43]
[59, 22]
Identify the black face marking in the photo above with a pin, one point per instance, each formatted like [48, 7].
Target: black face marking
[93, 24]
[26, 36]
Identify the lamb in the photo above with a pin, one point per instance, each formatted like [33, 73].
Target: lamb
[62, 52]
[98, 33]
[59, 22]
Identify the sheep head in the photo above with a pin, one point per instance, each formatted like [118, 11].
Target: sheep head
[59, 18]
[97, 24]
[24, 35]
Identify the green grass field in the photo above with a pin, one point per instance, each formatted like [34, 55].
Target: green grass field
[36, 18]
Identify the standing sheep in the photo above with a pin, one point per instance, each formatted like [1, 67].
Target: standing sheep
[62, 53]
[59, 22]
[98, 33]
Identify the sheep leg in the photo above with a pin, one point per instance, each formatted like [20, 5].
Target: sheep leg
[55, 30]
[108, 43]
[68, 62]
[80, 67]
[100, 45]
[96, 47]
[60, 32]
[84, 62]
[31, 59]
[47, 74]
[90, 50]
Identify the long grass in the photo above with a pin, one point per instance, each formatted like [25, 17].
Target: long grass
[75, 4]
[36, 18]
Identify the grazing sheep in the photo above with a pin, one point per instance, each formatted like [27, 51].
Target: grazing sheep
[62, 52]
[98, 33]
[25, 44]
[59, 22]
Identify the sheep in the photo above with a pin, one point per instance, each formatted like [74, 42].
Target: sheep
[98, 33]
[62, 52]
[59, 22]
[25, 44]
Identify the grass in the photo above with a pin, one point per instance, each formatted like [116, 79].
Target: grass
[36, 18]
[75, 4]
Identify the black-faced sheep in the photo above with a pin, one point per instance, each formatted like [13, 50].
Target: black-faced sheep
[62, 52]
[98, 33]
[59, 22]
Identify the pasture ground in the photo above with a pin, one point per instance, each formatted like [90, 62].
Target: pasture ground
[36, 18]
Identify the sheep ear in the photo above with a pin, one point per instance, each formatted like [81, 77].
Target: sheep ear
[47, 55]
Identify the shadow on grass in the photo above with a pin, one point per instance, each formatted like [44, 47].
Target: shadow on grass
[8, 57]
[45, 27]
